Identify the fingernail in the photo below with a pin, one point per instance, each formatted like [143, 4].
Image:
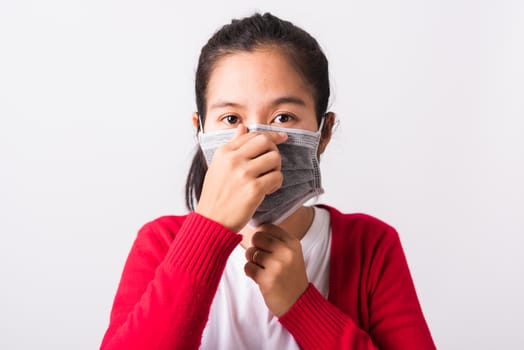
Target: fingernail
[282, 134]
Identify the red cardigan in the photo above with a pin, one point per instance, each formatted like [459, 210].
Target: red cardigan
[176, 262]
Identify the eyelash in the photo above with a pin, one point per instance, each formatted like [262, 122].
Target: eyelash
[291, 118]
[237, 118]
[228, 116]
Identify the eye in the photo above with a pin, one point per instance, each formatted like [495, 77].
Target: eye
[283, 118]
[231, 119]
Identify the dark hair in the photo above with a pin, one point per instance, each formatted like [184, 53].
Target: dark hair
[248, 34]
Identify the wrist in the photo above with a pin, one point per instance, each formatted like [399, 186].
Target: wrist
[217, 218]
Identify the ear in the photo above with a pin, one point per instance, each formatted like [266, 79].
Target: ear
[194, 119]
[326, 132]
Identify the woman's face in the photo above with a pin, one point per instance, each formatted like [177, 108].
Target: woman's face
[258, 87]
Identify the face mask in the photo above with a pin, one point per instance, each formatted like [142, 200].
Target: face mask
[299, 167]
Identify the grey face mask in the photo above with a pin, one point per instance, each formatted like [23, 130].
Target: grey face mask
[299, 167]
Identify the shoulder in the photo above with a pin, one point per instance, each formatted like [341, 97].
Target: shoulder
[166, 223]
[160, 231]
[360, 227]
[364, 247]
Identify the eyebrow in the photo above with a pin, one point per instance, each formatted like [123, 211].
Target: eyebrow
[279, 101]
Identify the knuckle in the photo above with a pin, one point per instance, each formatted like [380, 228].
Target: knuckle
[253, 188]
[243, 174]
[258, 236]
[257, 137]
[287, 256]
[233, 160]
[265, 139]
[275, 157]
[279, 268]
[248, 269]
[267, 280]
[255, 240]
[280, 177]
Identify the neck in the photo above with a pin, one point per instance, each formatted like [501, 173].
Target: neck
[296, 225]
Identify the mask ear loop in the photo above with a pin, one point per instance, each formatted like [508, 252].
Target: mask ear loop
[335, 126]
[200, 124]
[321, 126]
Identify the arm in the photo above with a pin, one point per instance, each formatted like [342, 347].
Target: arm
[166, 290]
[164, 299]
[396, 319]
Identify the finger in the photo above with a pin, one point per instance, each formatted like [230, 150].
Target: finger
[269, 182]
[270, 161]
[240, 130]
[252, 270]
[273, 138]
[275, 231]
[276, 137]
[261, 143]
[257, 256]
[265, 241]
[240, 138]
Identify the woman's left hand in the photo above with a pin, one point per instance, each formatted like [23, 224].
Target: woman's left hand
[276, 264]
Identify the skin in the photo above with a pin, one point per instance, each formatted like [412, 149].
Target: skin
[259, 87]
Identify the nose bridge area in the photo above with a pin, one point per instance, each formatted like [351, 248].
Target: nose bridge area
[256, 117]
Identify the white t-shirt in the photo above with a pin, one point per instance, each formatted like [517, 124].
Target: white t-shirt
[239, 318]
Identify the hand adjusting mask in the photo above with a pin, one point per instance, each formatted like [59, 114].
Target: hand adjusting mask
[300, 169]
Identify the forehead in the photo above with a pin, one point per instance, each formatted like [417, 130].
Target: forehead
[250, 76]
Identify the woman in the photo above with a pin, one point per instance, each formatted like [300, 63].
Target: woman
[250, 267]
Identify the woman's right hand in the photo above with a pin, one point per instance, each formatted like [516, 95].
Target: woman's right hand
[241, 174]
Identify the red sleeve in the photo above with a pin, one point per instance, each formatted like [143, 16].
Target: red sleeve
[167, 286]
[396, 319]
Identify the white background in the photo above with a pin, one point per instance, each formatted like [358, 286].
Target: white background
[96, 138]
